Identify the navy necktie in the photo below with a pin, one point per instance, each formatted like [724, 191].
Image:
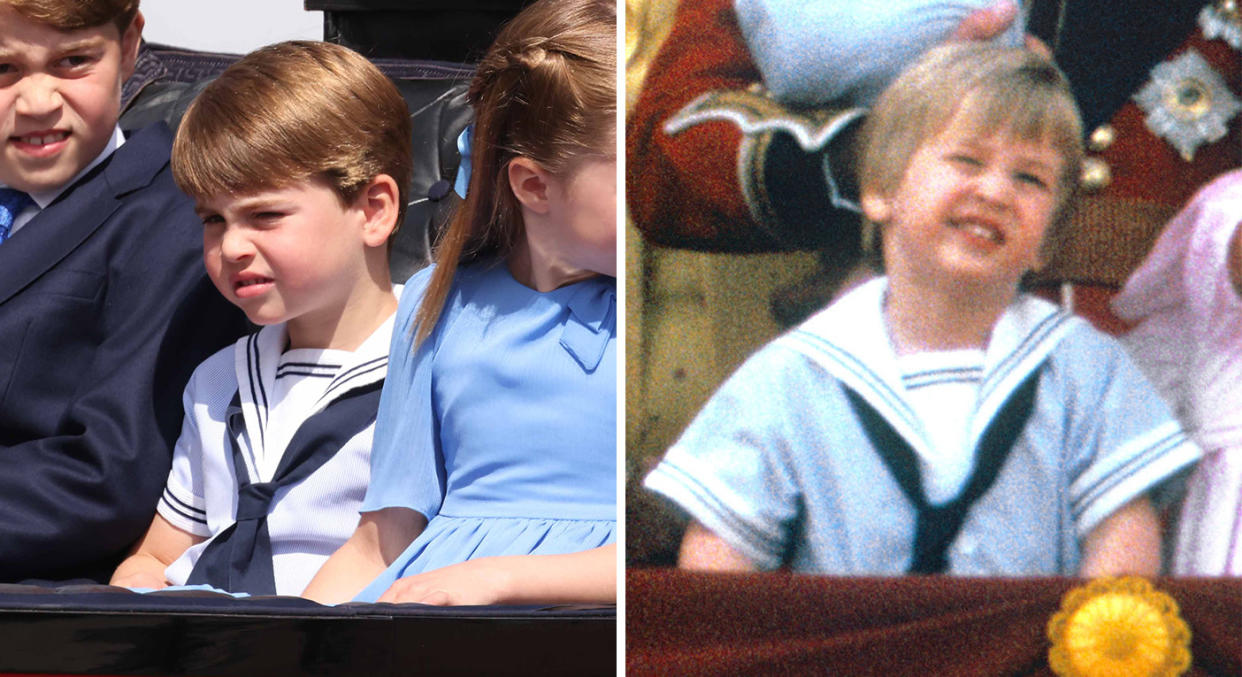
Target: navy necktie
[938, 525]
[12, 202]
[239, 559]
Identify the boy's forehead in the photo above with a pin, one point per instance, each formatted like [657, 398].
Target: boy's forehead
[255, 195]
[974, 128]
[19, 34]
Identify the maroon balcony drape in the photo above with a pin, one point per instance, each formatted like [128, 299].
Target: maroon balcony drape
[680, 623]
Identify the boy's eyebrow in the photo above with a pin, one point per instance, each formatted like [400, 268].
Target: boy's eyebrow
[252, 201]
[74, 46]
[83, 43]
[1029, 164]
[244, 203]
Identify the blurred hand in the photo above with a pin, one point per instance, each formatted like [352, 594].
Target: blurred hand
[986, 23]
[989, 22]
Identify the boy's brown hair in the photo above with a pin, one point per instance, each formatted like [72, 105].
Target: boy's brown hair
[545, 90]
[72, 15]
[1002, 89]
[291, 112]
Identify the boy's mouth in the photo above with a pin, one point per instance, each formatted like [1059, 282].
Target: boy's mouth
[979, 228]
[41, 143]
[43, 139]
[246, 287]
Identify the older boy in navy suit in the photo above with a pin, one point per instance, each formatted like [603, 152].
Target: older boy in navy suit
[104, 305]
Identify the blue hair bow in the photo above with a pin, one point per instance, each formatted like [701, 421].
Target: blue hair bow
[463, 168]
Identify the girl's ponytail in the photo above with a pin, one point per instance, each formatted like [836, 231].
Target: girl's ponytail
[546, 90]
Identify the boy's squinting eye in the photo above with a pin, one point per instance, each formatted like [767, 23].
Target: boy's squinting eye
[212, 219]
[75, 61]
[965, 160]
[1033, 180]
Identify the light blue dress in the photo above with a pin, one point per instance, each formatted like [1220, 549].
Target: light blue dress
[501, 427]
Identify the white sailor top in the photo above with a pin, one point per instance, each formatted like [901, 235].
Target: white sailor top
[308, 520]
[779, 465]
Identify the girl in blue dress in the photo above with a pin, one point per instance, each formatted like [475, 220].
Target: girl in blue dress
[494, 463]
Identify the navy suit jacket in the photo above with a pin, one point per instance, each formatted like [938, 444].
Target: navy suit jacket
[105, 310]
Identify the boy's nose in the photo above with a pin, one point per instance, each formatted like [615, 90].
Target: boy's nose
[995, 186]
[234, 246]
[38, 95]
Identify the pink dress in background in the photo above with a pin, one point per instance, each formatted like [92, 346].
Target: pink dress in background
[1188, 341]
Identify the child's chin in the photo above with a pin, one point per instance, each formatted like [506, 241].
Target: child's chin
[262, 319]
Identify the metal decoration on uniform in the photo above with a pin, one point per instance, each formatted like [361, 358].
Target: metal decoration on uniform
[1221, 19]
[1096, 175]
[1187, 103]
[1101, 138]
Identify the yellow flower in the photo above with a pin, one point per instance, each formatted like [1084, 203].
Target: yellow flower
[1118, 627]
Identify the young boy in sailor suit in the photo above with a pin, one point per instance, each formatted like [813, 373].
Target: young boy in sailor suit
[937, 420]
[297, 157]
[104, 310]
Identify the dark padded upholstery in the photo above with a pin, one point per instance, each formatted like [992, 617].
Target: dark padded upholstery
[167, 79]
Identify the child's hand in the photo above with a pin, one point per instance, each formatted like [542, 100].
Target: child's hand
[478, 581]
[141, 579]
[985, 24]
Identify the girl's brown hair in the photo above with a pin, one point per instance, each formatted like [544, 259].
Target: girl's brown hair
[545, 90]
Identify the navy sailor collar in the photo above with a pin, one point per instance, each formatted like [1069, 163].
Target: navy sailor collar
[257, 356]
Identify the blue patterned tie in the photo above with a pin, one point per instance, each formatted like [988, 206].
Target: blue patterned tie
[12, 202]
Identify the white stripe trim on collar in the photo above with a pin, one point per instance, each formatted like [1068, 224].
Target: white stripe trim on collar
[850, 340]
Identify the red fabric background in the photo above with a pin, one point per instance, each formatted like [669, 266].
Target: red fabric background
[681, 623]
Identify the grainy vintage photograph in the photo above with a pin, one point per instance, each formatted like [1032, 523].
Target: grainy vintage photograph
[932, 321]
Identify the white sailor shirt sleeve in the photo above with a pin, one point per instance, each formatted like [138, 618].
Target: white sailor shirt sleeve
[731, 470]
[1125, 442]
[183, 503]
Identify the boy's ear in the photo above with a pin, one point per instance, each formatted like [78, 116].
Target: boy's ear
[131, 39]
[876, 207]
[379, 202]
[530, 184]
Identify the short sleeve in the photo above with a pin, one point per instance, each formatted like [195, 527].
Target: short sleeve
[407, 466]
[1127, 442]
[183, 502]
[732, 470]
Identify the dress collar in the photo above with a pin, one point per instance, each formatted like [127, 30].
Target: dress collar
[591, 321]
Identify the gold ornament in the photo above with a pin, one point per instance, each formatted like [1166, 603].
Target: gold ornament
[1101, 138]
[1118, 627]
[1096, 175]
